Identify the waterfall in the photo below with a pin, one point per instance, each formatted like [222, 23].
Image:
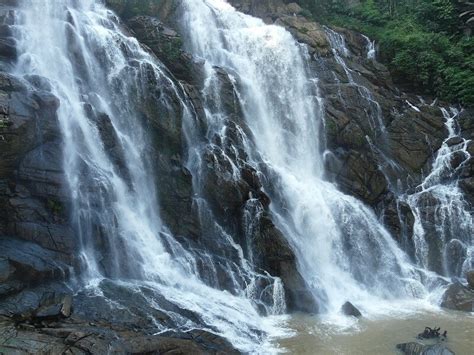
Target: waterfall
[342, 249]
[341, 52]
[371, 51]
[443, 230]
[101, 77]
[78, 50]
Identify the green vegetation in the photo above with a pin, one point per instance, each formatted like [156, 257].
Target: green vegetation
[55, 206]
[3, 123]
[422, 42]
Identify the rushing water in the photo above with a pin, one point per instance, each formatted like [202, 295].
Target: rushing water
[342, 249]
[98, 74]
[444, 228]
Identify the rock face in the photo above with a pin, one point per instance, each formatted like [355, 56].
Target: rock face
[459, 297]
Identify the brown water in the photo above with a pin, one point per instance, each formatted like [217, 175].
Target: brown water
[378, 335]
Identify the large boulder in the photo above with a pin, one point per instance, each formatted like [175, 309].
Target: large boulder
[350, 310]
[458, 297]
[413, 348]
[470, 278]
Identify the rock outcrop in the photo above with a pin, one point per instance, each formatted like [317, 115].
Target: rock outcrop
[459, 297]
[350, 310]
[422, 349]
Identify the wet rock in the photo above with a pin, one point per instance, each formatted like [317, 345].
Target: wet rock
[29, 263]
[407, 138]
[350, 310]
[455, 256]
[454, 141]
[167, 45]
[79, 337]
[307, 32]
[458, 297]
[399, 219]
[274, 254]
[470, 278]
[55, 307]
[130, 8]
[422, 349]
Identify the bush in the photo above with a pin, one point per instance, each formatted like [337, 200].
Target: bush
[419, 41]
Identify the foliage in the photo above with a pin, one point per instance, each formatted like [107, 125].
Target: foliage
[420, 41]
[55, 206]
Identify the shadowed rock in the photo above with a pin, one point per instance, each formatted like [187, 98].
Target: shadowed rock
[350, 310]
[458, 297]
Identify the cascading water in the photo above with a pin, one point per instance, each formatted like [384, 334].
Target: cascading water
[443, 230]
[341, 247]
[371, 52]
[341, 52]
[99, 75]
[440, 244]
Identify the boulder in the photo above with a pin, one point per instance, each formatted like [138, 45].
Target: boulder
[350, 310]
[470, 278]
[413, 348]
[458, 297]
[55, 307]
[455, 252]
[24, 264]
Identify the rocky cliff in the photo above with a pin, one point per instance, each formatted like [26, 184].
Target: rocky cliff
[380, 145]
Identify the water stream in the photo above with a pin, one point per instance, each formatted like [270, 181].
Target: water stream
[98, 74]
[341, 247]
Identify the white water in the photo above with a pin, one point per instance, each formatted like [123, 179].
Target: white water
[342, 250]
[371, 52]
[341, 54]
[443, 220]
[96, 70]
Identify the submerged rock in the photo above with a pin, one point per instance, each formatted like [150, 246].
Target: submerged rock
[458, 297]
[413, 348]
[350, 310]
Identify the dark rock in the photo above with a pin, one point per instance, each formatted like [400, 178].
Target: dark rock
[62, 309]
[422, 349]
[455, 256]
[350, 310]
[29, 263]
[126, 9]
[273, 253]
[399, 219]
[458, 297]
[407, 138]
[167, 45]
[454, 141]
[470, 278]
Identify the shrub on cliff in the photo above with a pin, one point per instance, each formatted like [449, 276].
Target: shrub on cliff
[423, 42]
